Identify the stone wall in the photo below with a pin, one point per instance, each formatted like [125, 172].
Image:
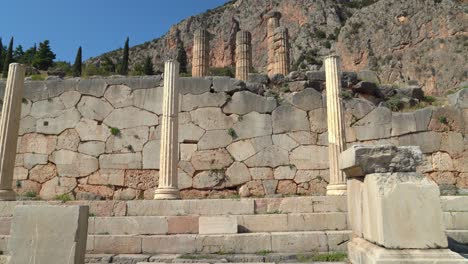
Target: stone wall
[99, 138]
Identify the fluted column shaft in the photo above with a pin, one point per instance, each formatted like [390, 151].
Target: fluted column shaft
[200, 53]
[336, 131]
[169, 152]
[243, 55]
[9, 126]
[281, 39]
[272, 24]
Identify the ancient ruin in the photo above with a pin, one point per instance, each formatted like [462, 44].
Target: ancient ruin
[201, 53]
[273, 22]
[243, 55]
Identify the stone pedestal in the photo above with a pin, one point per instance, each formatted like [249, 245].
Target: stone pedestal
[9, 126]
[169, 154]
[281, 46]
[336, 131]
[273, 22]
[243, 55]
[200, 53]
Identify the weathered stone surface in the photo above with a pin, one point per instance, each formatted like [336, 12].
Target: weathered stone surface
[226, 84]
[27, 186]
[30, 160]
[284, 142]
[442, 161]
[184, 181]
[360, 160]
[70, 98]
[285, 172]
[130, 259]
[307, 100]
[303, 176]
[67, 119]
[190, 133]
[247, 243]
[107, 177]
[27, 125]
[120, 161]
[94, 87]
[92, 148]
[287, 118]
[422, 118]
[26, 106]
[57, 186]
[310, 157]
[253, 125]
[192, 102]
[217, 225]
[73, 164]
[211, 159]
[286, 187]
[428, 141]
[151, 154]
[126, 194]
[211, 118]
[375, 125]
[90, 130]
[43, 173]
[300, 242]
[241, 150]
[237, 174]
[459, 99]
[446, 119]
[261, 143]
[94, 108]
[129, 117]
[214, 139]
[128, 140]
[149, 99]
[359, 108]
[261, 173]
[452, 143]
[194, 85]
[182, 225]
[37, 143]
[47, 108]
[141, 179]
[20, 173]
[304, 137]
[69, 139]
[245, 102]
[318, 120]
[269, 157]
[403, 123]
[186, 151]
[37, 229]
[208, 179]
[119, 95]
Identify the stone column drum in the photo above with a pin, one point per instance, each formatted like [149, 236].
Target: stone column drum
[201, 53]
[273, 22]
[9, 126]
[169, 153]
[281, 39]
[243, 55]
[336, 131]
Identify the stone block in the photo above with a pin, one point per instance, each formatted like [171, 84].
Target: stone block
[329, 203]
[182, 224]
[49, 234]
[157, 208]
[263, 223]
[221, 207]
[130, 117]
[307, 100]
[456, 220]
[55, 125]
[239, 243]
[73, 164]
[245, 102]
[149, 99]
[122, 244]
[253, 125]
[287, 118]
[296, 205]
[194, 85]
[338, 240]
[272, 156]
[176, 244]
[316, 222]
[355, 195]
[94, 108]
[191, 102]
[299, 242]
[429, 142]
[217, 225]
[130, 225]
[211, 118]
[360, 160]
[388, 218]
[120, 161]
[454, 203]
[129, 258]
[310, 157]
[403, 123]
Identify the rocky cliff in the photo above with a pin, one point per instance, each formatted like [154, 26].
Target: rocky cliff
[423, 40]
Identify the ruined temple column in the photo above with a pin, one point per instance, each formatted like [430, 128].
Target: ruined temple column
[243, 55]
[169, 152]
[273, 22]
[336, 130]
[281, 39]
[9, 126]
[201, 53]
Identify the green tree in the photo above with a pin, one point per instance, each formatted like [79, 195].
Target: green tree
[8, 59]
[107, 65]
[78, 64]
[182, 58]
[148, 66]
[2, 53]
[28, 55]
[44, 57]
[18, 54]
[124, 65]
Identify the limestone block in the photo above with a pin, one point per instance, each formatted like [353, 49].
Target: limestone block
[459, 99]
[129, 117]
[214, 139]
[118, 244]
[210, 207]
[43, 173]
[303, 176]
[27, 125]
[128, 140]
[30, 160]
[422, 118]
[184, 181]
[454, 203]
[67, 119]
[37, 229]
[73, 164]
[217, 225]
[453, 120]
[227, 84]
[94, 108]
[261, 143]
[287, 118]
[307, 100]
[119, 95]
[151, 154]
[211, 159]
[358, 107]
[237, 174]
[20, 173]
[310, 157]
[360, 160]
[355, 196]
[120, 161]
[452, 143]
[428, 141]
[52, 107]
[144, 225]
[209, 179]
[284, 141]
[316, 222]
[192, 102]
[37, 143]
[272, 156]
[182, 224]
[92, 148]
[211, 118]
[304, 137]
[264, 223]
[130, 258]
[194, 85]
[70, 98]
[261, 173]
[403, 123]
[286, 187]
[338, 240]
[94, 87]
[169, 244]
[69, 139]
[253, 125]
[190, 133]
[329, 203]
[285, 172]
[318, 120]
[149, 99]
[442, 161]
[456, 220]
[270, 186]
[90, 130]
[245, 102]
[186, 151]
[242, 244]
[383, 197]
[299, 242]
[107, 177]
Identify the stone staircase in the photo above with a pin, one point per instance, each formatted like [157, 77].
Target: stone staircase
[290, 229]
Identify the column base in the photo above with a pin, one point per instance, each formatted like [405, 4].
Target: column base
[337, 190]
[7, 195]
[167, 193]
[361, 251]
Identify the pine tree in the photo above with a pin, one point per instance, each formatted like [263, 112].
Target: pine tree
[148, 66]
[182, 58]
[8, 59]
[29, 54]
[18, 54]
[1, 55]
[124, 65]
[77, 66]
[44, 57]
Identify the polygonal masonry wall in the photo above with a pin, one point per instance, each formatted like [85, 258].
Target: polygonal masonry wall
[101, 137]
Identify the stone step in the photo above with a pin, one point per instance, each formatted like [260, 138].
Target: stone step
[461, 236]
[279, 242]
[456, 220]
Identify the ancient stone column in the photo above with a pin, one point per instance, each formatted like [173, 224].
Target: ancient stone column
[169, 153]
[336, 131]
[281, 39]
[200, 53]
[9, 126]
[243, 55]
[273, 22]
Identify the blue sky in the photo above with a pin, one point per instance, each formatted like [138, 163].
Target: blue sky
[96, 25]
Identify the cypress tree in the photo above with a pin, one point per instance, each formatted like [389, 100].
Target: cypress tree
[77, 66]
[124, 65]
[148, 66]
[1, 55]
[8, 59]
[182, 58]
